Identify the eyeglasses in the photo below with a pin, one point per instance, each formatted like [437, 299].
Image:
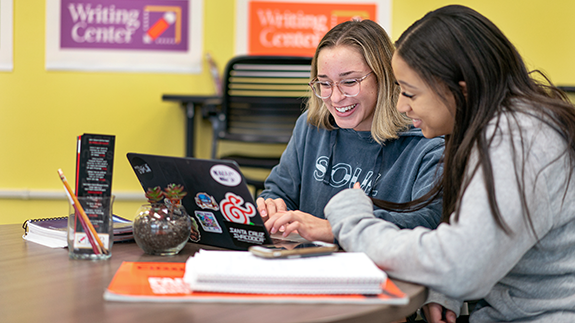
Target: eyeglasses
[349, 87]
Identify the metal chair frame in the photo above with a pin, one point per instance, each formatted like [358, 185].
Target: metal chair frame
[262, 98]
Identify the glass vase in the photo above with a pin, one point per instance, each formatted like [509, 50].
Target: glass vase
[160, 229]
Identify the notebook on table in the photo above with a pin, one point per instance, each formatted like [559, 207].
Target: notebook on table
[53, 232]
[218, 199]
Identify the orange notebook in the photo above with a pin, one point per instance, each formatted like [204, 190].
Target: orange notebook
[163, 282]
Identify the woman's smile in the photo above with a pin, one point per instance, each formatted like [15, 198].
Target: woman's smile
[345, 108]
[339, 63]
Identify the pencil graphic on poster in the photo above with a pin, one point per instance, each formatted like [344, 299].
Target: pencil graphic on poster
[160, 27]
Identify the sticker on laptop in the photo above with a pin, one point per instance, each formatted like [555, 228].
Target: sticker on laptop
[206, 201]
[208, 221]
[142, 169]
[234, 210]
[244, 235]
[226, 175]
[195, 234]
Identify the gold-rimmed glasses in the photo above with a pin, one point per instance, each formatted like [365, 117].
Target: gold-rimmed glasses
[348, 87]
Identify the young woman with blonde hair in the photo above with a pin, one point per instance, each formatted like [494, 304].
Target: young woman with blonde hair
[351, 132]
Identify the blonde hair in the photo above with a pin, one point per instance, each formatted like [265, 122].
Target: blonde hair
[373, 43]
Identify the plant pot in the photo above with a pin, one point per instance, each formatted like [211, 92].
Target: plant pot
[162, 230]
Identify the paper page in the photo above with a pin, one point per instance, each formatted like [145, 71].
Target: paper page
[45, 241]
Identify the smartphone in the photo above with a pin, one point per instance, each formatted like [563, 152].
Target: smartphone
[305, 249]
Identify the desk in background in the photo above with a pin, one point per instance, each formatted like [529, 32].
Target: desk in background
[189, 103]
[40, 284]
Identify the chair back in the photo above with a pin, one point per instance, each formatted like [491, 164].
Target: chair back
[262, 98]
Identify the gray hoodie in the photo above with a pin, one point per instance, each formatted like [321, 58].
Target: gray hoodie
[520, 277]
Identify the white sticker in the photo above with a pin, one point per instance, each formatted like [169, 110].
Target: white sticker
[225, 175]
[81, 240]
[233, 210]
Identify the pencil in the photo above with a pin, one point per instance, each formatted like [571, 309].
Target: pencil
[74, 200]
[77, 207]
[93, 243]
[98, 247]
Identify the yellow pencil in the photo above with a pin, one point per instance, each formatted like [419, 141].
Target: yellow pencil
[85, 218]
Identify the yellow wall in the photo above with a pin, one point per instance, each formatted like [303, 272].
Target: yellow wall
[541, 30]
[42, 112]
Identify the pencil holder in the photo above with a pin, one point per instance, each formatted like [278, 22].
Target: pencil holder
[90, 228]
[161, 229]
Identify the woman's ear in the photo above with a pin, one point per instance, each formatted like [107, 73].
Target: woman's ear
[463, 88]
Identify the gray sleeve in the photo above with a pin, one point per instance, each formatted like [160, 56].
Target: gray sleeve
[453, 258]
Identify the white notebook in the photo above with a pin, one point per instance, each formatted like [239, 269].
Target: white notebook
[242, 272]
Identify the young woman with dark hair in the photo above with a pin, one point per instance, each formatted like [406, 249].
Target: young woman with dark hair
[508, 193]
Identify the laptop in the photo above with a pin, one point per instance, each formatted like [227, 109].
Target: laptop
[218, 200]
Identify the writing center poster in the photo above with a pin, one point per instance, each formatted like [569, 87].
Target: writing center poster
[162, 36]
[295, 27]
[6, 35]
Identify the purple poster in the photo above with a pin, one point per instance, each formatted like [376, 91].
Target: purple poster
[124, 24]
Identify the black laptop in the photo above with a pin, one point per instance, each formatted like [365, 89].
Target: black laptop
[218, 198]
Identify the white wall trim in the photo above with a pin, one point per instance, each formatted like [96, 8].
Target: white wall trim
[26, 194]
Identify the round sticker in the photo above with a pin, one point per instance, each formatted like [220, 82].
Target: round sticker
[225, 175]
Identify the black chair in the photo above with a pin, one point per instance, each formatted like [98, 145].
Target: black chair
[262, 98]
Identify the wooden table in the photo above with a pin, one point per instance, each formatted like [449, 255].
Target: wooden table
[40, 284]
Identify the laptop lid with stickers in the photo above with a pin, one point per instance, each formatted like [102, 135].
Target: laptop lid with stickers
[218, 199]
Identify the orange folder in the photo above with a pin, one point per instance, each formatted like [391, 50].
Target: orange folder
[163, 282]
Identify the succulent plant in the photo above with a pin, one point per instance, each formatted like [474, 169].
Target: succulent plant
[175, 193]
[155, 195]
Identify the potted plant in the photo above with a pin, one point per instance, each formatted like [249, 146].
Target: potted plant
[162, 227]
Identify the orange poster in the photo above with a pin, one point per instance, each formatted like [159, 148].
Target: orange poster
[295, 28]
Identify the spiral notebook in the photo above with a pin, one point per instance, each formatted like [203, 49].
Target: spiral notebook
[51, 232]
[243, 272]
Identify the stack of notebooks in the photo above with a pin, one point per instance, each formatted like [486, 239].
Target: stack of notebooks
[236, 276]
[51, 232]
[242, 272]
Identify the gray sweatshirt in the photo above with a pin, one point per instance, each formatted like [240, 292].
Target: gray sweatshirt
[519, 277]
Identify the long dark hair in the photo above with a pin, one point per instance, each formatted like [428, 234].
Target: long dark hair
[454, 44]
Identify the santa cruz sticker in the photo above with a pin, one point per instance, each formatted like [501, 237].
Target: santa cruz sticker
[244, 236]
[225, 175]
[232, 209]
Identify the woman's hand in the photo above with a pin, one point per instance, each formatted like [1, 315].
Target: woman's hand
[435, 313]
[269, 207]
[308, 226]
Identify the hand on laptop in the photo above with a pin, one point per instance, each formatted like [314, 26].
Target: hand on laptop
[308, 226]
[269, 207]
